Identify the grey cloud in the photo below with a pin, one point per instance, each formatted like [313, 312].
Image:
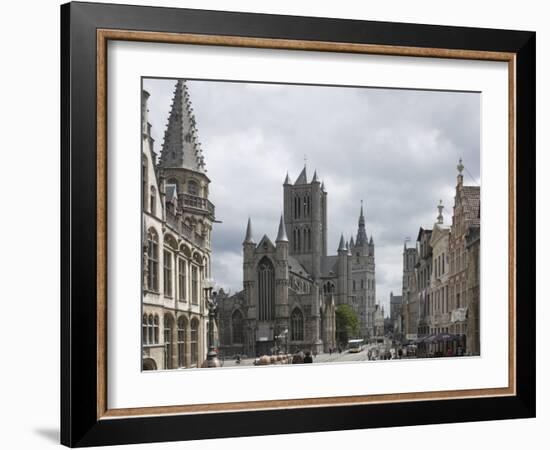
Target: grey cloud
[394, 149]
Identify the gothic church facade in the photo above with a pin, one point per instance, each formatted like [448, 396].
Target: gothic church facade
[291, 286]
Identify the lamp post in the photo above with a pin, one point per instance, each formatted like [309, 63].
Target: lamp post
[212, 355]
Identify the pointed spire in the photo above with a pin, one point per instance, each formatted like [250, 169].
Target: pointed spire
[287, 180]
[323, 186]
[281, 234]
[248, 239]
[302, 179]
[181, 147]
[342, 245]
[315, 179]
[351, 242]
[361, 240]
[440, 216]
[371, 241]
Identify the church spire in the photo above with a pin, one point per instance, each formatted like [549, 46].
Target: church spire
[181, 147]
[302, 179]
[281, 234]
[287, 180]
[361, 231]
[248, 239]
[342, 245]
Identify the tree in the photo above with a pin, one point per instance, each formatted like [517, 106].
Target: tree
[347, 323]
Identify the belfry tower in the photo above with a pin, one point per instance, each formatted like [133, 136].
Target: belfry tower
[305, 214]
[182, 168]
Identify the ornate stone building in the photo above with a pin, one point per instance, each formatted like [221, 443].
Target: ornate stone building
[176, 230]
[447, 301]
[465, 215]
[439, 313]
[423, 280]
[291, 287]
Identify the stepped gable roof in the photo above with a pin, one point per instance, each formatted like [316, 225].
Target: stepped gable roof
[471, 204]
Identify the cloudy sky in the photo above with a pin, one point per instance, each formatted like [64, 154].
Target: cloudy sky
[396, 150]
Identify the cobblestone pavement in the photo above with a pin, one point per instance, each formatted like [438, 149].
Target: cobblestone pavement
[345, 356]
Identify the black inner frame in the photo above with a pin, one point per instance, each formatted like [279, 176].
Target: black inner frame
[79, 424]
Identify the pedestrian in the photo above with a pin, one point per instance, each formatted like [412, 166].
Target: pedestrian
[330, 351]
[308, 358]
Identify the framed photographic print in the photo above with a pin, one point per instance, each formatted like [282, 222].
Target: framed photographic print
[278, 220]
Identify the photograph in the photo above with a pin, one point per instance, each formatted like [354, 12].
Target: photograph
[288, 224]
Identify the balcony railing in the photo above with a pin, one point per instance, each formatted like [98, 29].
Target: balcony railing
[196, 202]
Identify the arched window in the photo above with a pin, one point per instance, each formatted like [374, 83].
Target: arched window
[296, 325]
[266, 290]
[152, 260]
[182, 330]
[144, 330]
[194, 342]
[237, 327]
[152, 201]
[167, 263]
[168, 344]
[192, 187]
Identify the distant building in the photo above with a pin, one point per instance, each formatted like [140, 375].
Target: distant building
[396, 314]
[379, 323]
[409, 293]
[291, 287]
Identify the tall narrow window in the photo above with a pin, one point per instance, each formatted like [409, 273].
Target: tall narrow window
[151, 329]
[144, 337]
[144, 184]
[168, 344]
[237, 327]
[194, 285]
[192, 187]
[182, 330]
[153, 201]
[182, 279]
[167, 273]
[297, 325]
[152, 260]
[194, 341]
[156, 329]
[266, 290]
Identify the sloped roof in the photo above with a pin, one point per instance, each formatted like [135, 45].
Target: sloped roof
[329, 264]
[295, 266]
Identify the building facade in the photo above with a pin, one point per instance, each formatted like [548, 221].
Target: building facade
[465, 215]
[291, 287]
[441, 276]
[176, 231]
[439, 312]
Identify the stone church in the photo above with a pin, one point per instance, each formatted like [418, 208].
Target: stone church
[291, 287]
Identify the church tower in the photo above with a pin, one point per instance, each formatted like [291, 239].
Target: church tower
[182, 167]
[305, 214]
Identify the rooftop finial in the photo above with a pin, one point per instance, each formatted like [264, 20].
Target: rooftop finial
[287, 179]
[248, 238]
[281, 235]
[440, 216]
[460, 166]
[342, 245]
